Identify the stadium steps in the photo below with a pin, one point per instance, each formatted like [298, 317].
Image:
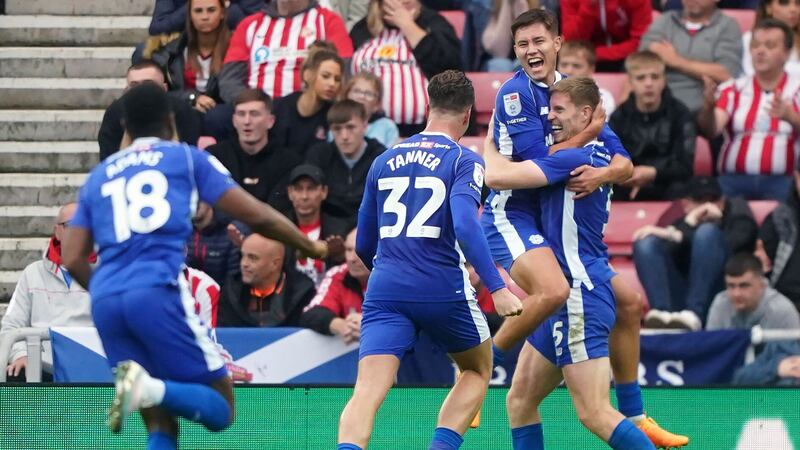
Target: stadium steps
[61, 64]
[55, 62]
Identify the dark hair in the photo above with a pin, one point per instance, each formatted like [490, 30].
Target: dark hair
[451, 91]
[741, 263]
[344, 110]
[318, 53]
[761, 14]
[580, 90]
[223, 35]
[703, 189]
[146, 111]
[146, 64]
[770, 23]
[253, 95]
[533, 16]
[580, 46]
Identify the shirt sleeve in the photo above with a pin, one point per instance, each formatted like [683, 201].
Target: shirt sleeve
[83, 213]
[612, 142]
[518, 131]
[367, 236]
[336, 32]
[211, 177]
[557, 167]
[238, 49]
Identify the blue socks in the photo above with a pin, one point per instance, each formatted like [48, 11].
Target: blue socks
[627, 437]
[445, 439]
[198, 403]
[346, 446]
[161, 441]
[629, 399]
[528, 437]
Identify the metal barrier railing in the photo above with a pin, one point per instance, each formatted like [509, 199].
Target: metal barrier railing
[33, 338]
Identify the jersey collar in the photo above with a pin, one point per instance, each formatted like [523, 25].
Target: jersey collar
[437, 133]
[558, 78]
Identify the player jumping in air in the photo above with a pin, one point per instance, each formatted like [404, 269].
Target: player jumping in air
[573, 343]
[512, 219]
[136, 206]
[417, 222]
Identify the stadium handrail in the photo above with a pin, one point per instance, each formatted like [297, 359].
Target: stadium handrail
[33, 338]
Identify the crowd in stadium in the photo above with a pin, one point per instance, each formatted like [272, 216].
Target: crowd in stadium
[297, 98]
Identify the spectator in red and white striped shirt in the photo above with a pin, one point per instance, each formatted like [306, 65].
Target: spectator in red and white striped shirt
[404, 44]
[205, 292]
[267, 49]
[759, 117]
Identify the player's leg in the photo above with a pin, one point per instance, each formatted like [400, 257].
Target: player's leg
[534, 378]
[386, 334]
[466, 397]
[162, 429]
[624, 352]
[588, 384]
[376, 374]
[538, 273]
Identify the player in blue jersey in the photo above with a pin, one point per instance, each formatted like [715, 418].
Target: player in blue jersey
[136, 206]
[417, 223]
[511, 219]
[573, 343]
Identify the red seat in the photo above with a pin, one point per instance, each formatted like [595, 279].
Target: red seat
[474, 143]
[703, 161]
[613, 82]
[627, 270]
[746, 18]
[456, 18]
[486, 85]
[627, 217]
[761, 209]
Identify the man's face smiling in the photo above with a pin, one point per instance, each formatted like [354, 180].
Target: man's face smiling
[536, 49]
[566, 118]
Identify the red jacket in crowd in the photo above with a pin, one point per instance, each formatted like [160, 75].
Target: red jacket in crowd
[613, 26]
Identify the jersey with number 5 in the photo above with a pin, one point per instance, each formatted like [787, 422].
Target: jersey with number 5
[138, 205]
[408, 189]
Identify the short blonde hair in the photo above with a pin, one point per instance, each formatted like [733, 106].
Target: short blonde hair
[644, 58]
[582, 91]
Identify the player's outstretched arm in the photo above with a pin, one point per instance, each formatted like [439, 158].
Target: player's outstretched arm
[476, 250]
[502, 174]
[268, 222]
[75, 250]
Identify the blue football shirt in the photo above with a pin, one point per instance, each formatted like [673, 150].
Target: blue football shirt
[574, 228]
[408, 189]
[138, 205]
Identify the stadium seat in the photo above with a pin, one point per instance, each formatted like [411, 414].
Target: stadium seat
[627, 217]
[486, 85]
[474, 143]
[746, 18]
[456, 19]
[205, 141]
[625, 267]
[761, 209]
[613, 82]
[703, 160]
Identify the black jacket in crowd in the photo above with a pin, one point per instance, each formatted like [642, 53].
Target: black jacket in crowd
[737, 224]
[664, 139]
[779, 232]
[188, 121]
[265, 175]
[211, 251]
[345, 185]
[329, 226]
[280, 309]
[295, 132]
[170, 58]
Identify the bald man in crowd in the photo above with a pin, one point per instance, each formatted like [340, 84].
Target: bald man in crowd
[267, 292]
[45, 296]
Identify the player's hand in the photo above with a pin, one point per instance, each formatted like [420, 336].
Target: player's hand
[586, 179]
[598, 120]
[203, 103]
[16, 367]
[506, 303]
[318, 250]
[335, 247]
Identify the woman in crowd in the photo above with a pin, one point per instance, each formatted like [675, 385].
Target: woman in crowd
[787, 11]
[301, 116]
[496, 39]
[367, 89]
[192, 62]
[404, 44]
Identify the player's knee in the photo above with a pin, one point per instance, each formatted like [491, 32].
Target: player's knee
[520, 401]
[629, 307]
[590, 416]
[556, 293]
